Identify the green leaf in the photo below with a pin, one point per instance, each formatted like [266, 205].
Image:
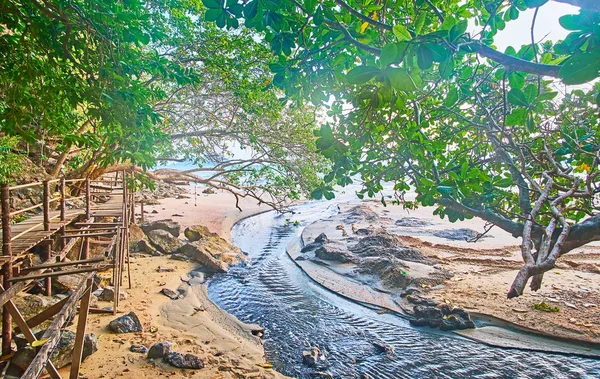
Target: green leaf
[581, 68]
[518, 117]
[212, 4]
[213, 14]
[444, 190]
[571, 22]
[439, 53]
[310, 5]
[362, 74]
[400, 79]
[424, 57]
[318, 16]
[401, 33]
[389, 54]
[251, 9]
[530, 123]
[458, 30]
[317, 194]
[517, 97]
[535, 3]
[452, 97]
[446, 68]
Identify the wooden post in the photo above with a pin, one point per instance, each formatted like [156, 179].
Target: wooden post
[142, 211]
[88, 215]
[47, 247]
[80, 334]
[6, 269]
[63, 210]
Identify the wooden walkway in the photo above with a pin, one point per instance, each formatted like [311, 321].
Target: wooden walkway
[107, 211]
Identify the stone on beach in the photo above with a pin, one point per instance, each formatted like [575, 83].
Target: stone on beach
[164, 241]
[179, 360]
[167, 225]
[129, 323]
[160, 350]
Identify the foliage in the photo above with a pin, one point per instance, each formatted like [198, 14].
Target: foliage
[417, 96]
[543, 306]
[10, 159]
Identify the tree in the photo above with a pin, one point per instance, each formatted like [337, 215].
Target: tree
[416, 99]
[102, 84]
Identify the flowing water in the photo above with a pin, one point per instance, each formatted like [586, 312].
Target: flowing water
[270, 290]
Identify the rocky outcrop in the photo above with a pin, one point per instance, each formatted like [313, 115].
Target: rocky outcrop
[333, 252]
[167, 225]
[199, 232]
[311, 357]
[201, 253]
[382, 243]
[129, 323]
[462, 234]
[442, 317]
[164, 241]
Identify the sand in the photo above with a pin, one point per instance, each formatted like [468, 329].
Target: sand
[227, 346]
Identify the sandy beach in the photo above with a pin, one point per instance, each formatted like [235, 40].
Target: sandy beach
[225, 345]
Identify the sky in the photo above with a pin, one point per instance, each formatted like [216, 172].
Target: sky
[517, 32]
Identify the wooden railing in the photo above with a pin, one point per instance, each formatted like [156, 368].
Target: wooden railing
[38, 231]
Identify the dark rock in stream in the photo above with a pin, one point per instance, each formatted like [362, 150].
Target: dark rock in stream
[442, 317]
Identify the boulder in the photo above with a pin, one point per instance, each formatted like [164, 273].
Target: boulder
[62, 354]
[167, 225]
[201, 253]
[321, 238]
[442, 317]
[164, 241]
[129, 323]
[108, 294]
[310, 357]
[143, 246]
[462, 234]
[170, 293]
[184, 361]
[138, 349]
[160, 350]
[90, 345]
[199, 232]
[31, 305]
[331, 252]
[136, 234]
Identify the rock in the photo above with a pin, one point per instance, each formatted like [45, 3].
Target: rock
[198, 232]
[301, 258]
[167, 225]
[160, 350]
[209, 191]
[136, 234]
[164, 241]
[129, 323]
[90, 345]
[360, 213]
[184, 361]
[180, 257]
[442, 317]
[412, 222]
[108, 294]
[154, 211]
[144, 247]
[62, 354]
[165, 269]
[170, 293]
[138, 349]
[418, 300]
[31, 305]
[462, 234]
[331, 252]
[201, 253]
[310, 357]
[321, 238]
[321, 374]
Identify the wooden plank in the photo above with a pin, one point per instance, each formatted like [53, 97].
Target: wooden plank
[80, 334]
[6, 268]
[61, 273]
[106, 234]
[63, 264]
[25, 329]
[53, 332]
[44, 315]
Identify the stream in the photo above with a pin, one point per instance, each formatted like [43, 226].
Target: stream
[271, 291]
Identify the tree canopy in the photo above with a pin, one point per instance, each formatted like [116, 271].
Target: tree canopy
[96, 84]
[418, 96]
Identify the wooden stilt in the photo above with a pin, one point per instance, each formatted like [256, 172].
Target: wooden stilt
[88, 204]
[6, 268]
[80, 334]
[47, 247]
